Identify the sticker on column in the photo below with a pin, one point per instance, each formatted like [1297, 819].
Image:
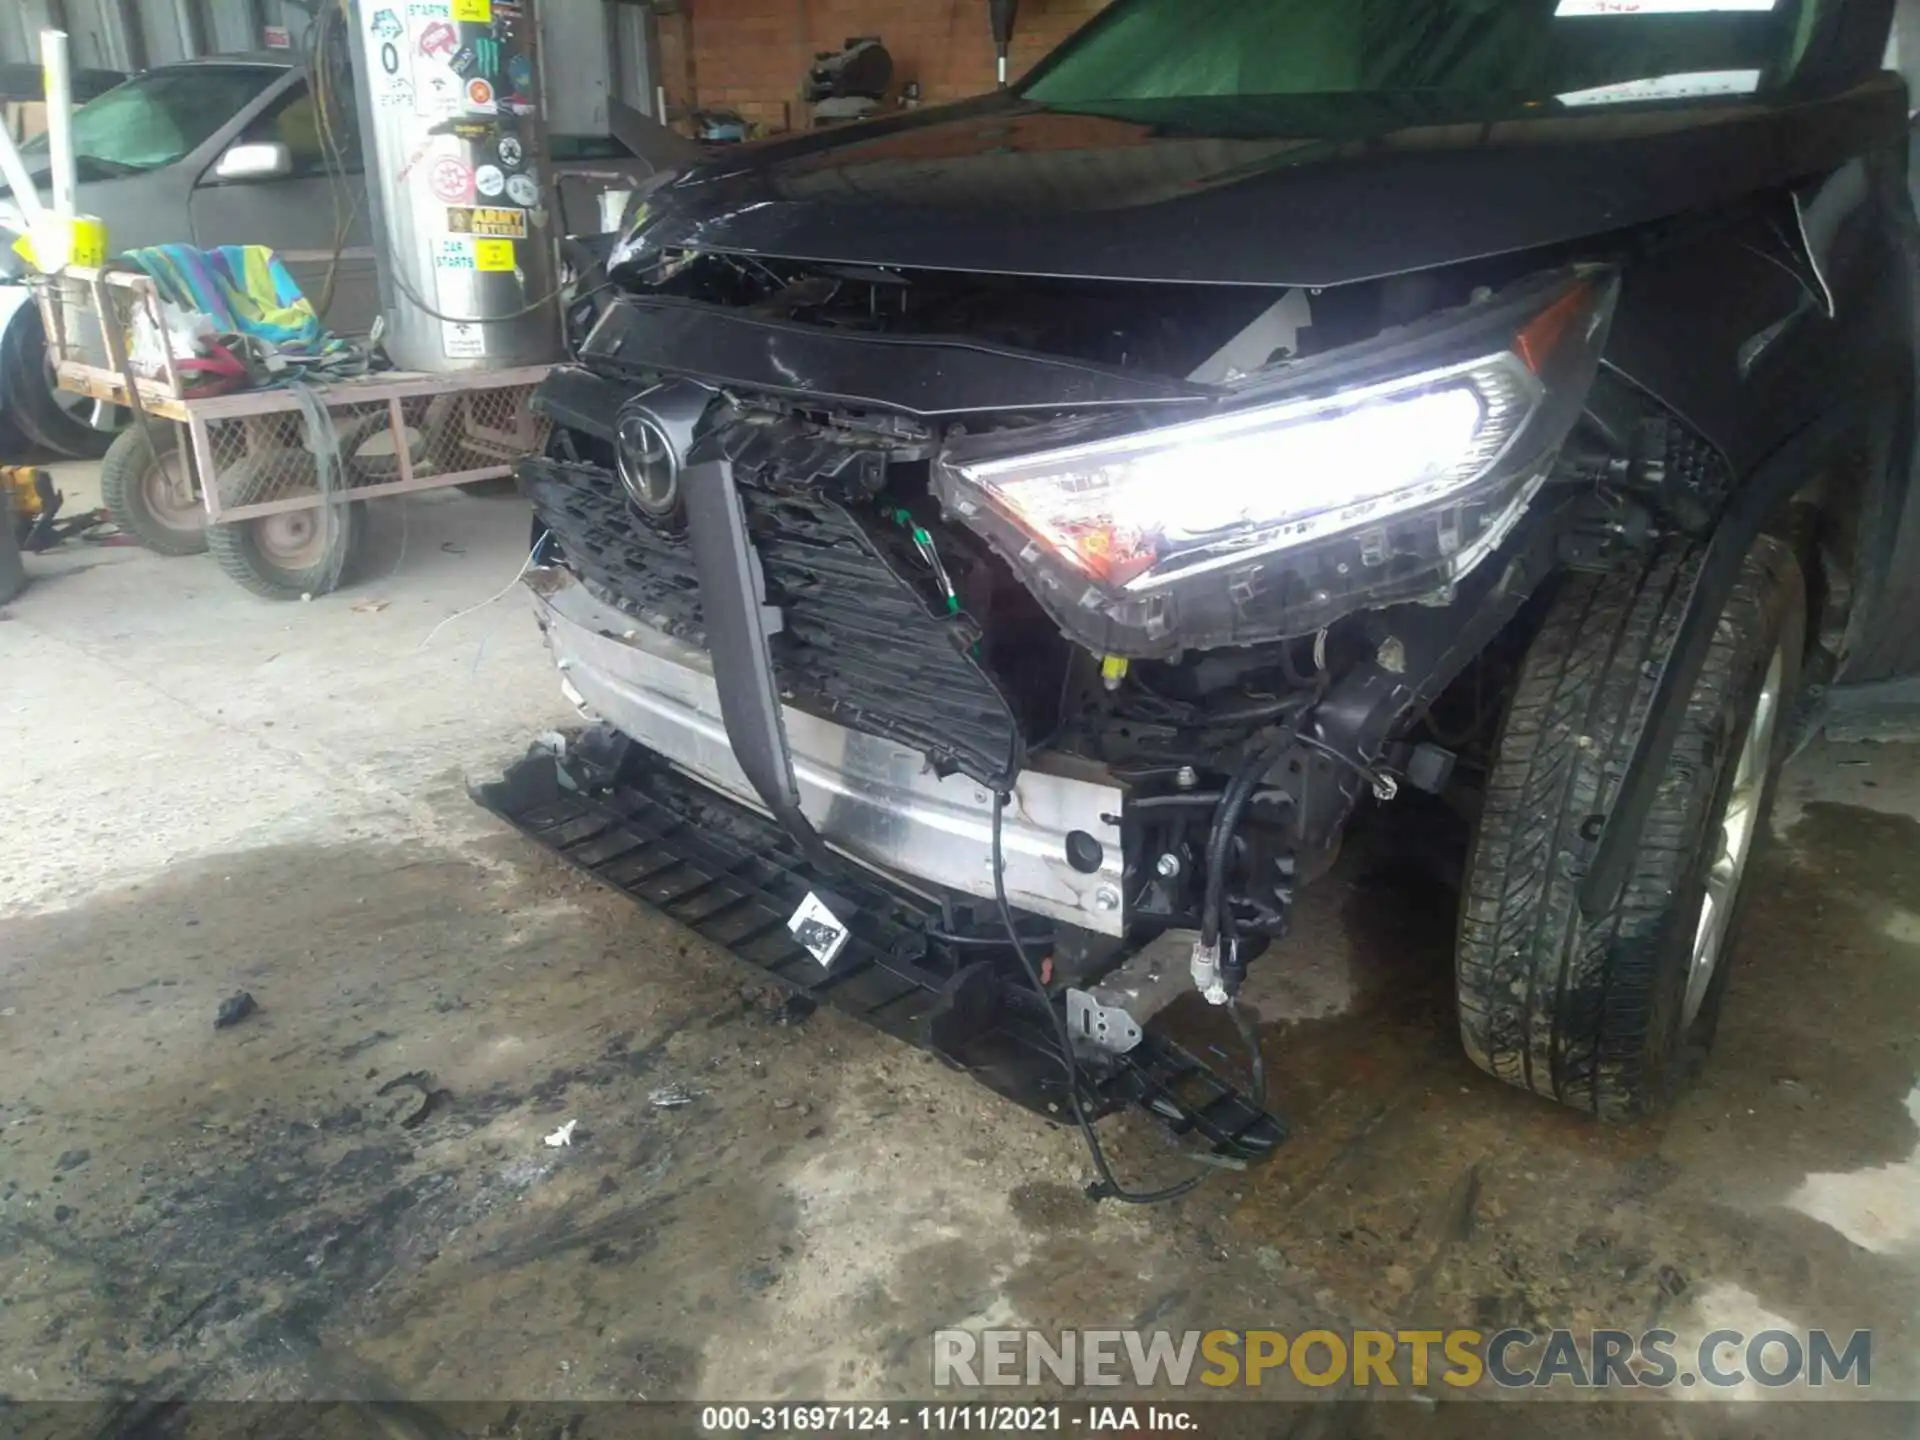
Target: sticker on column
[480, 97]
[455, 252]
[439, 92]
[818, 930]
[386, 25]
[439, 40]
[489, 181]
[511, 153]
[523, 189]
[493, 257]
[451, 180]
[482, 58]
[507, 224]
[477, 12]
[462, 341]
[431, 36]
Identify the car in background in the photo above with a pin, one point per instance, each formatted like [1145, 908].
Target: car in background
[229, 149]
[23, 96]
[23, 114]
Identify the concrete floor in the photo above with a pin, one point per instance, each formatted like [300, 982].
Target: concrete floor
[207, 793]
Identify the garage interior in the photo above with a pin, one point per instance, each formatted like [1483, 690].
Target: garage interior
[352, 1193]
[214, 795]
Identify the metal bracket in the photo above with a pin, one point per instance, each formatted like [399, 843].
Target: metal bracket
[1102, 1027]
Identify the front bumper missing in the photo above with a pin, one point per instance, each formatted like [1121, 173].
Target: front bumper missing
[869, 798]
[641, 826]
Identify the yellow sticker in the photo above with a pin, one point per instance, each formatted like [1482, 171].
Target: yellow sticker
[493, 254]
[478, 11]
[511, 224]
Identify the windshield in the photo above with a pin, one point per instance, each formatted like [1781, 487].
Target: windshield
[155, 119]
[1474, 54]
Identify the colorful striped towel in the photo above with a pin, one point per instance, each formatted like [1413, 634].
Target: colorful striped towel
[246, 291]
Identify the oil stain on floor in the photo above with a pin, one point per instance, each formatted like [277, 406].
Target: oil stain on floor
[349, 1193]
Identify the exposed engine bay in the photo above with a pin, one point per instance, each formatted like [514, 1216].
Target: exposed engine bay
[1091, 612]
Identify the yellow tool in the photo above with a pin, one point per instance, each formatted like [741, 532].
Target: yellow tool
[24, 488]
[30, 504]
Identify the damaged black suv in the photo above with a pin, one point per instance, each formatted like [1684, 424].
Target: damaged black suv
[1006, 545]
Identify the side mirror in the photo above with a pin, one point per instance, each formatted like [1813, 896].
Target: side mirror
[260, 160]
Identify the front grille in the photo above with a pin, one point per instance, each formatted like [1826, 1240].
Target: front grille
[859, 645]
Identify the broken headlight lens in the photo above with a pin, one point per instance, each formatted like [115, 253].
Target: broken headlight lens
[1127, 510]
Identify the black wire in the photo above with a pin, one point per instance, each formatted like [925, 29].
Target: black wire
[319, 37]
[1251, 1038]
[1227, 819]
[946, 937]
[1108, 1186]
[1292, 671]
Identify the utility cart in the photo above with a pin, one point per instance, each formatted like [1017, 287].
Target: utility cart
[269, 480]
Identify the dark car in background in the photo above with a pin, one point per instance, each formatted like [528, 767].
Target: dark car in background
[230, 150]
[23, 113]
[23, 96]
[1487, 424]
[224, 150]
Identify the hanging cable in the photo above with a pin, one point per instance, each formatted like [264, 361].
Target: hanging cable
[1250, 1037]
[1107, 1187]
[1226, 819]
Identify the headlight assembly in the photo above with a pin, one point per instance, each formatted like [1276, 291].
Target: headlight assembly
[1379, 472]
[1143, 510]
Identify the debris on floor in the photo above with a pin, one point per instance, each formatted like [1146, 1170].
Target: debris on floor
[235, 1008]
[671, 1097]
[562, 1136]
[421, 1083]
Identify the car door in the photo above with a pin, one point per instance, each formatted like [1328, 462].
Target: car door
[314, 216]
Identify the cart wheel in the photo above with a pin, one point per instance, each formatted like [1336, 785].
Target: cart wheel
[368, 448]
[153, 497]
[293, 554]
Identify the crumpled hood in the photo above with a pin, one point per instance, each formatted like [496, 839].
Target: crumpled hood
[1224, 196]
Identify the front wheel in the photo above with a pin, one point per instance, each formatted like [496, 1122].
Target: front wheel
[74, 425]
[1611, 1015]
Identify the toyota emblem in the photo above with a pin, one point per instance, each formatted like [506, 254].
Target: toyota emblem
[649, 469]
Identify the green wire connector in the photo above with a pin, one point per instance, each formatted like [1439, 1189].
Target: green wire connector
[923, 542]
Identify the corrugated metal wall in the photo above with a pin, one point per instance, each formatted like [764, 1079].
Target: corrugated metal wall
[601, 49]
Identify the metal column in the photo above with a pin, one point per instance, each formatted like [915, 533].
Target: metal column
[453, 120]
